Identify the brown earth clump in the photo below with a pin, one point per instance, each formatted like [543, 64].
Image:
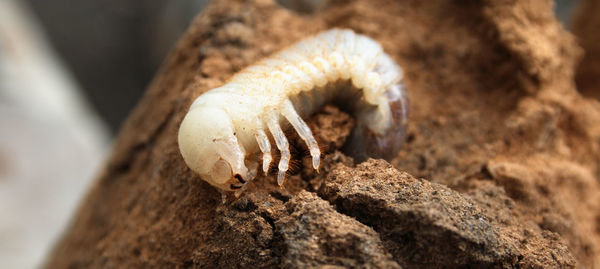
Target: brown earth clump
[500, 167]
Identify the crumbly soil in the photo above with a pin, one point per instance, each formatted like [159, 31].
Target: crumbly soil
[500, 167]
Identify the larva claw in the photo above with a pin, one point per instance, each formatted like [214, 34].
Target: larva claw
[280, 177]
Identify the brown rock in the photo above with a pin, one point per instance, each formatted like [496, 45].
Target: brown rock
[428, 225]
[314, 234]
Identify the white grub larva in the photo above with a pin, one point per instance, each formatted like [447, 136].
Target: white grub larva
[227, 128]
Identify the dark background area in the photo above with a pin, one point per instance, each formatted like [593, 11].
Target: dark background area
[113, 48]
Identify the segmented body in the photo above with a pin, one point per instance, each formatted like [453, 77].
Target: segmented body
[226, 127]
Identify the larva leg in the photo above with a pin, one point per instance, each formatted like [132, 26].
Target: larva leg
[265, 147]
[288, 111]
[282, 145]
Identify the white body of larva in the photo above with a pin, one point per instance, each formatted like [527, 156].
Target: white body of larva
[226, 127]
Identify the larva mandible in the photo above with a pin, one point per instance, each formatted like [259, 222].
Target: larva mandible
[226, 127]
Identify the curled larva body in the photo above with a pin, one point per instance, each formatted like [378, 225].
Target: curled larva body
[226, 128]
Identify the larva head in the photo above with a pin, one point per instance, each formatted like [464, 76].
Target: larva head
[210, 148]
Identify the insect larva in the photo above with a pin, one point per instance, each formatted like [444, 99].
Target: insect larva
[226, 127]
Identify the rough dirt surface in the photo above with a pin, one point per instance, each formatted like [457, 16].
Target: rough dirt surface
[500, 167]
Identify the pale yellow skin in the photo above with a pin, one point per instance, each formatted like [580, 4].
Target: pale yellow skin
[226, 126]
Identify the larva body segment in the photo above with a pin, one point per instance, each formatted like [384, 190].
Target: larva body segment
[226, 128]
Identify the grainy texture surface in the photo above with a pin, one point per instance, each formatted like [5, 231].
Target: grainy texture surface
[500, 167]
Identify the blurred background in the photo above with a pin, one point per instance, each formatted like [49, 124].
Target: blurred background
[70, 72]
